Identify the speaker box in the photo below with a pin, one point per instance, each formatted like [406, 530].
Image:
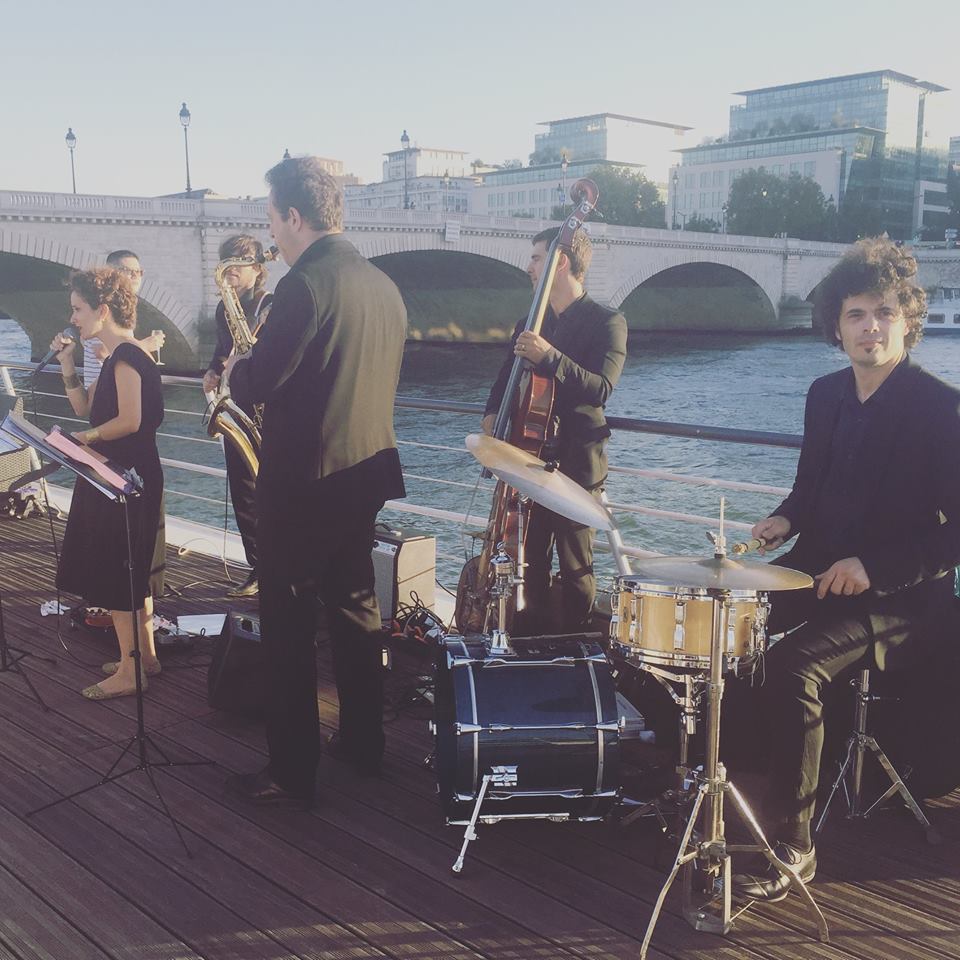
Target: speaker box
[404, 563]
[235, 677]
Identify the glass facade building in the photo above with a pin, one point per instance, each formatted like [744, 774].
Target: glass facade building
[882, 125]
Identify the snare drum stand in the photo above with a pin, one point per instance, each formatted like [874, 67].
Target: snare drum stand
[705, 857]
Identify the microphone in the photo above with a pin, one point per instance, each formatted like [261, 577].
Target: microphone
[755, 544]
[65, 335]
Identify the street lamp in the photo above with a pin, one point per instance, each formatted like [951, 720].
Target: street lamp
[563, 174]
[286, 153]
[71, 141]
[676, 192]
[185, 122]
[405, 143]
[444, 188]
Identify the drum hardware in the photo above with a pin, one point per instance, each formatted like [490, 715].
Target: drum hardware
[704, 857]
[504, 585]
[851, 770]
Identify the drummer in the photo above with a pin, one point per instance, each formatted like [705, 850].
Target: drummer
[582, 346]
[876, 510]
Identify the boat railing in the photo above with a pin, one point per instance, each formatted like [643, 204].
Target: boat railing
[458, 525]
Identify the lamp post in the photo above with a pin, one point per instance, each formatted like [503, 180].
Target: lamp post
[185, 122]
[286, 154]
[563, 175]
[405, 143]
[71, 141]
[676, 193]
[444, 187]
[683, 220]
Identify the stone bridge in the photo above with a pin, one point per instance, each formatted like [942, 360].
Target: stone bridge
[43, 235]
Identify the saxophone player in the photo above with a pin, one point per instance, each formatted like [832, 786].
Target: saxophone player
[249, 282]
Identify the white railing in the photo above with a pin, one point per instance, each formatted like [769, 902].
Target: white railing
[473, 488]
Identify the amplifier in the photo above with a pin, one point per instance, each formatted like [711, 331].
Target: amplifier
[404, 563]
[235, 678]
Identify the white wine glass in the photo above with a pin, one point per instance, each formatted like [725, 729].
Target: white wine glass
[156, 333]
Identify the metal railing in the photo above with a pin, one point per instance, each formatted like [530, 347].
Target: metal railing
[470, 485]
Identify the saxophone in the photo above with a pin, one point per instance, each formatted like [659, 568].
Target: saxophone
[227, 420]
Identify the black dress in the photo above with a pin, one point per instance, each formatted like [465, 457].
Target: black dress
[94, 556]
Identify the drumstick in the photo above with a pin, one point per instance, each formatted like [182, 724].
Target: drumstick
[755, 544]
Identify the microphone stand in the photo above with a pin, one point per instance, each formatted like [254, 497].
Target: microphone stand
[11, 656]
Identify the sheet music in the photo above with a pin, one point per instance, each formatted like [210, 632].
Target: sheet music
[84, 454]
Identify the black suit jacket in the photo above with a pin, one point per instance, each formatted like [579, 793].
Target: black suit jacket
[910, 543]
[326, 368]
[590, 347]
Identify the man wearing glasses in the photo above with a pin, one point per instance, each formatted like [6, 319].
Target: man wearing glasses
[94, 352]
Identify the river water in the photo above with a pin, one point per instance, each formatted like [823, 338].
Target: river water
[749, 382]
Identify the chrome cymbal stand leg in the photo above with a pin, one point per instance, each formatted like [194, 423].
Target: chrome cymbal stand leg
[850, 776]
[707, 856]
[505, 776]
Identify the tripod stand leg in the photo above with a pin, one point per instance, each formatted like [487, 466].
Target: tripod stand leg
[844, 767]
[684, 856]
[898, 786]
[746, 814]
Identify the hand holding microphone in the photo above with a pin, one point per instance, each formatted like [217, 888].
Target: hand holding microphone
[61, 348]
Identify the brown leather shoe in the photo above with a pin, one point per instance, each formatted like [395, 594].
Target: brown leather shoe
[262, 790]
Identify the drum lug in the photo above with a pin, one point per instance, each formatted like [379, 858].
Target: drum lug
[613, 726]
[731, 611]
[679, 616]
[504, 775]
[432, 727]
[467, 728]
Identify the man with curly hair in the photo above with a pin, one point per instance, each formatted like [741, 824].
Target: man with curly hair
[875, 508]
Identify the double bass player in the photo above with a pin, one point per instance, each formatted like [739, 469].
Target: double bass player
[582, 345]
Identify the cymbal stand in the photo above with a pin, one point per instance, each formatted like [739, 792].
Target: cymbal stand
[688, 702]
[504, 586]
[704, 857]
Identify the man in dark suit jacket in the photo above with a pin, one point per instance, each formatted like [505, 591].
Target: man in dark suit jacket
[326, 370]
[583, 346]
[876, 511]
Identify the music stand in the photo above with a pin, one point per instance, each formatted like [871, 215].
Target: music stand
[119, 485]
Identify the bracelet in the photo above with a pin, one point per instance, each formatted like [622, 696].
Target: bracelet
[92, 436]
[72, 381]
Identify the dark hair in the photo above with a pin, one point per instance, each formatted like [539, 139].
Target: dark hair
[873, 265]
[243, 245]
[302, 183]
[115, 256]
[579, 254]
[104, 286]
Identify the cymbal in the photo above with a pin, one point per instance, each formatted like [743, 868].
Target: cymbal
[721, 573]
[530, 476]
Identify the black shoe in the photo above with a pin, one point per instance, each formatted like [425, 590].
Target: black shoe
[249, 588]
[770, 884]
[261, 789]
[365, 765]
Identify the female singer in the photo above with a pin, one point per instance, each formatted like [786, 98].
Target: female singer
[125, 407]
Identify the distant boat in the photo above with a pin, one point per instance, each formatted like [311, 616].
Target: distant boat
[943, 311]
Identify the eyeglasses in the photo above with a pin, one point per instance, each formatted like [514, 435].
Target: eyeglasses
[130, 272]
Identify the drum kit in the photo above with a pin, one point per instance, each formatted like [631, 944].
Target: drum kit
[530, 728]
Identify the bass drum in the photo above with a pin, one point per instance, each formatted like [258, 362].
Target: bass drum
[547, 716]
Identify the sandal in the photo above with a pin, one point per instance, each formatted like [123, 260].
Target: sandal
[112, 666]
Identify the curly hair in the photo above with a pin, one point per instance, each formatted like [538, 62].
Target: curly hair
[303, 184]
[873, 265]
[104, 286]
[580, 253]
[243, 245]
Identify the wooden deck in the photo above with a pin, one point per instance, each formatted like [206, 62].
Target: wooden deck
[367, 872]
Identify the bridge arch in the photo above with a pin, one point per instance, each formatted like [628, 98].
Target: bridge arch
[457, 295]
[42, 310]
[766, 272]
[699, 296]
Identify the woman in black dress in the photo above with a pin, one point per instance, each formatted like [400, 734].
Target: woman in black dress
[125, 406]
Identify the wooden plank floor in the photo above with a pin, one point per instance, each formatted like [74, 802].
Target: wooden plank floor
[366, 874]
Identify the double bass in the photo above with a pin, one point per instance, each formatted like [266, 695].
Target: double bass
[524, 419]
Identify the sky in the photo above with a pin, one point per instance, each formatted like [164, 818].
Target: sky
[343, 80]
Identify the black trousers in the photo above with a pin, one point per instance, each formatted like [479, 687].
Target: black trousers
[839, 636]
[316, 549]
[573, 543]
[243, 495]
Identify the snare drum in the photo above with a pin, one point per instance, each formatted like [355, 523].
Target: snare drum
[548, 715]
[671, 626]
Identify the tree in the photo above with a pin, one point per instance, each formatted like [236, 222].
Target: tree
[545, 155]
[762, 204]
[702, 224]
[626, 198]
